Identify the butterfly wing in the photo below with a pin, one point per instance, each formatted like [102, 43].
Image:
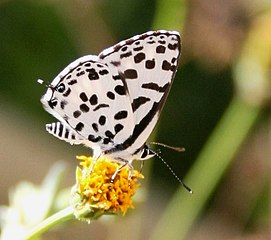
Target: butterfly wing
[112, 102]
[90, 100]
[147, 63]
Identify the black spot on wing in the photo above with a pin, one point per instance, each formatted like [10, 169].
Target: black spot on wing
[79, 126]
[121, 115]
[102, 120]
[54, 128]
[110, 95]
[137, 102]
[72, 82]
[119, 89]
[94, 139]
[173, 46]
[65, 117]
[49, 127]
[102, 105]
[92, 74]
[125, 55]
[80, 73]
[63, 103]
[139, 57]
[106, 140]
[109, 134]
[52, 103]
[115, 63]
[162, 41]
[103, 72]
[167, 66]
[117, 77]
[66, 133]
[84, 107]
[150, 64]
[83, 97]
[95, 127]
[173, 60]
[60, 130]
[160, 49]
[67, 93]
[77, 113]
[88, 64]
[93, 99]
[136, 49]
[155, 86]
[118, 127]
[124, 48]
[130, 74]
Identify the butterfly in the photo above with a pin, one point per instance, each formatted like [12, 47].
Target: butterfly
[112, 102]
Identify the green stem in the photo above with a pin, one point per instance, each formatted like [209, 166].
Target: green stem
[209, 168]
[59, 217]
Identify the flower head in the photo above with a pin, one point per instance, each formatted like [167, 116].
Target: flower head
[95, 194]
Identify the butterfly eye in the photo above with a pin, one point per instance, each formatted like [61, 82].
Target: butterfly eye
[146, 153]
[60, 88]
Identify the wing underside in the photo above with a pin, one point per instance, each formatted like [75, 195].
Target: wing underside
[148, 63]
[113, 101]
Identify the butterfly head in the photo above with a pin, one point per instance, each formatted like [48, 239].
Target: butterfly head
[53, 99]
[146, 153]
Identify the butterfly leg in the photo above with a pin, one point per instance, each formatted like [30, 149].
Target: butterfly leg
[117, 171]
[141, 167]
[131, 169]
[95, 159]
[126, 163]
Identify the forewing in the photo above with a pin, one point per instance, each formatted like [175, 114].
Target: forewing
[147, 63]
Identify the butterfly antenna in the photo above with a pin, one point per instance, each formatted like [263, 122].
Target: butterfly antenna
[177, 149]
[173, 173]
[42, 82]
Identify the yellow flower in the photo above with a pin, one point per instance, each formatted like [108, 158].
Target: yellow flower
[94, 194]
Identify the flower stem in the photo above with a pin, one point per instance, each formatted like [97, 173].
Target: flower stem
[252, 79]
[210, 166]
[59, 217]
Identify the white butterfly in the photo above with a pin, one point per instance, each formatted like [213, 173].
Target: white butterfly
[111, 102]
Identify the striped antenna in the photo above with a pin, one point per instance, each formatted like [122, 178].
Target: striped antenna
[177, 149]
[173, 173]
[42, 82]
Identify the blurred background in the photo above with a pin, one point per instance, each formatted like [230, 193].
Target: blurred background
[218, 109]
